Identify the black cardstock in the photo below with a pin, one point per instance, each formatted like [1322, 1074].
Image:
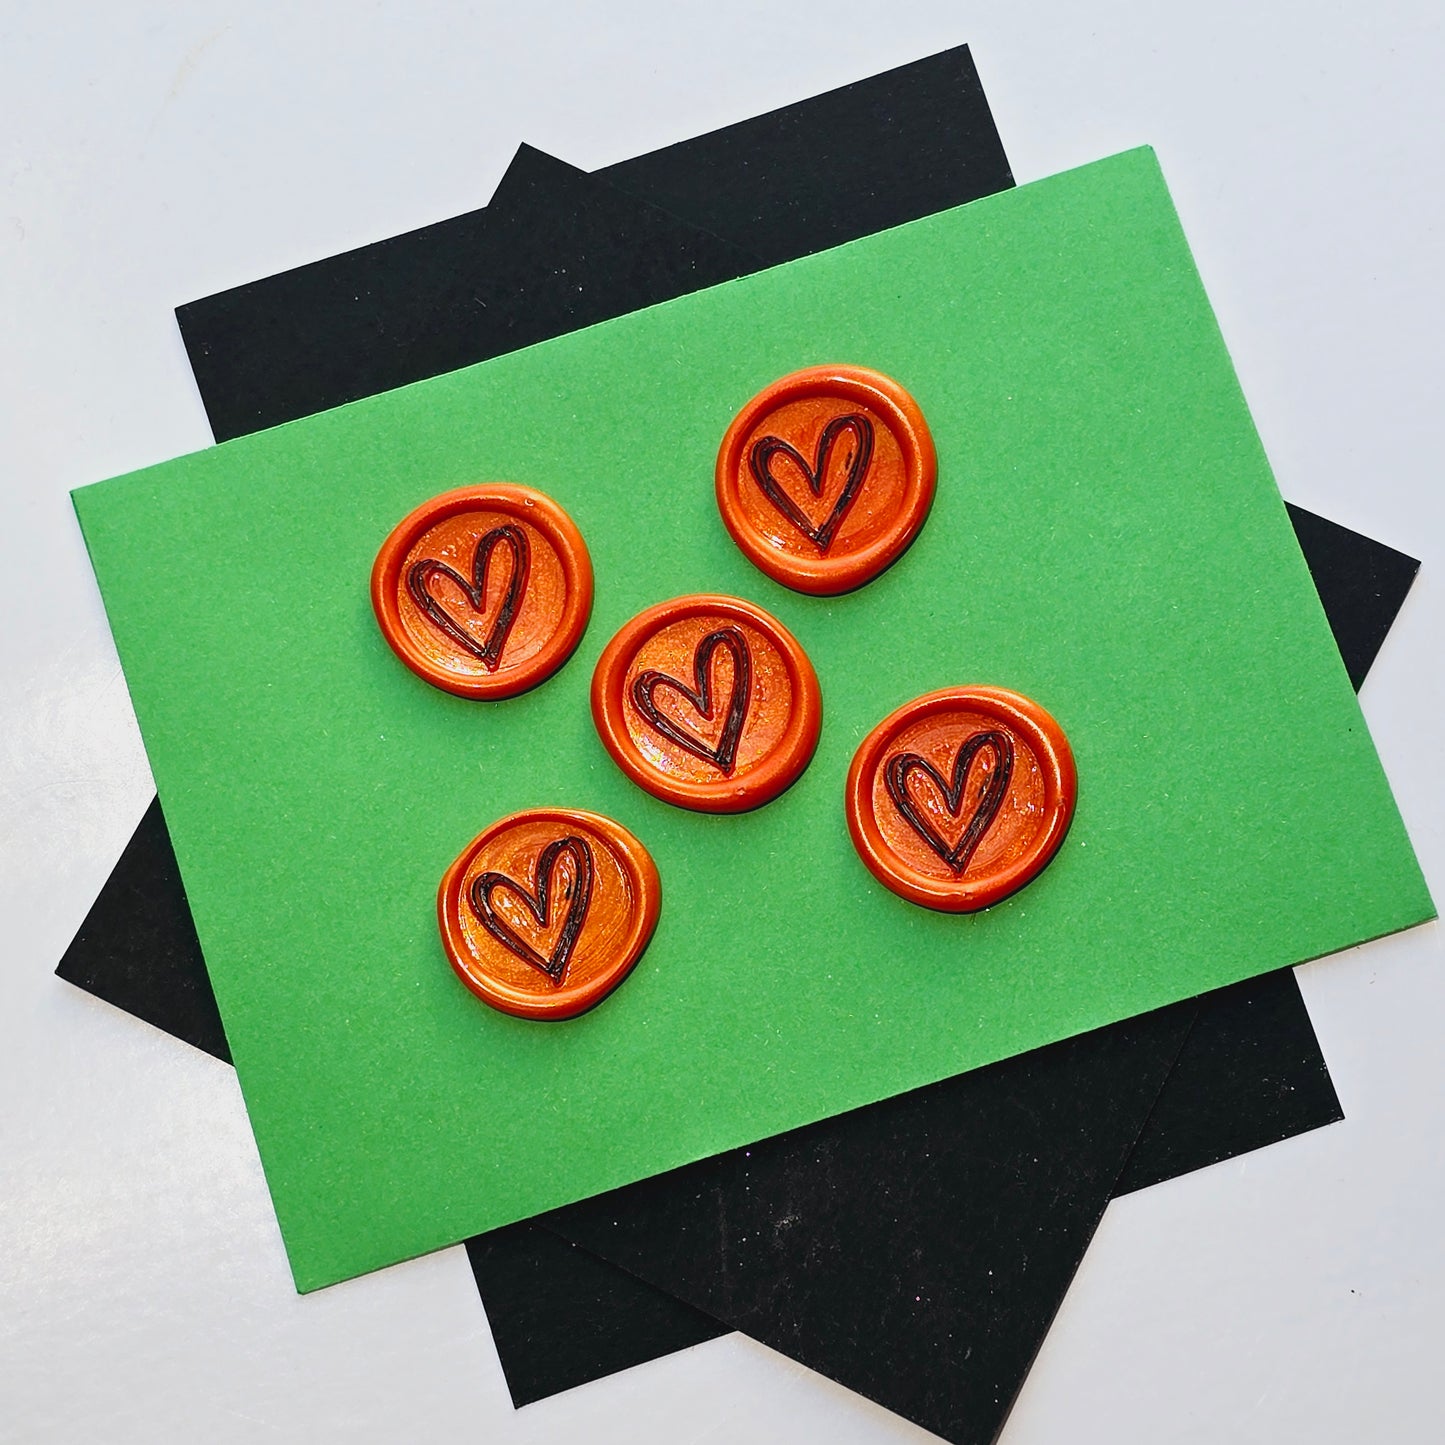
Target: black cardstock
[557, 250]
[1361, 583]
[561, 1316]
[557, 253]
[137, 948]
[915, 1250]
[844, 164]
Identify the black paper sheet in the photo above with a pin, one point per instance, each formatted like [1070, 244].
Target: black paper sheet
[137, 948]
[559, 1315]
[845, 164]
[915, 1250]
[562, 1317]
[1361, 583]
[563, 253]
[1250, 1074]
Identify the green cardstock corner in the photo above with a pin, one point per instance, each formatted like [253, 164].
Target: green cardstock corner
[1107, 538]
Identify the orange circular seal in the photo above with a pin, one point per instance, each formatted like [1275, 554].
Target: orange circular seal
[826, 476]
[961, 797]
[546, 912]
[709, 703]
[484, 591]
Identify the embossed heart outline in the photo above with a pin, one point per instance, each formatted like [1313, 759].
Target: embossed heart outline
[700, 696]
[760, 461]
[421, 572]
[538, 903]
[902, 765]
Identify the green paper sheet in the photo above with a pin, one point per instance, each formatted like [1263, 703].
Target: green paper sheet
[1107, 538]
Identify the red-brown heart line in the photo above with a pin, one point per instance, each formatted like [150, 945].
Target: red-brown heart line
[760, 462]
[901, 765]
[539, 905]
[700, 696]
[418, 583]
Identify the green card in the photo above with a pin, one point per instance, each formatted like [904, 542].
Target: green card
[1107, 538]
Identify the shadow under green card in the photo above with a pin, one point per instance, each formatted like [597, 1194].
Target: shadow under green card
[1107, 538]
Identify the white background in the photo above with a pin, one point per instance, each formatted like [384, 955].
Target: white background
[154, 153]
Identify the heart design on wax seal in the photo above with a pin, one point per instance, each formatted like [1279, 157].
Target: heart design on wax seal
[421, 573]
[539, 904]
[855, 428]
[902, 766]
[700, 697]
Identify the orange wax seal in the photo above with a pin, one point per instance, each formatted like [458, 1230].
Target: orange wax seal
[709, 703]
[825, 477]
[961, 797]
[484, 591]
[546, 912]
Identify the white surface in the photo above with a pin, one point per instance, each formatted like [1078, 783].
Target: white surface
[156, 152]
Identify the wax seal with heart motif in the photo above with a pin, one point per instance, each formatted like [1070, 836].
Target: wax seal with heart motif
[961, 797]
[825, 477]
[484, 591]
[708, 702]
[547, 911]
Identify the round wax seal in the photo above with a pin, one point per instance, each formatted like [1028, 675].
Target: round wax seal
[709, 703]
[825, 477]
[546, 912]
[961, 797]
[484, 591]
